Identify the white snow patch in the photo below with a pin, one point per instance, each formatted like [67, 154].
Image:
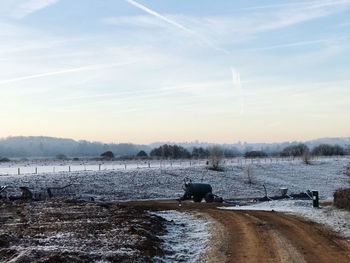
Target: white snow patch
[186, 239]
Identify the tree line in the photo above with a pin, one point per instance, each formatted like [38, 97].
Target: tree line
[168, 151]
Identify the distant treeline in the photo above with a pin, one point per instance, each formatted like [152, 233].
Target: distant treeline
[178, 152]
[29, 147]
[48, 147]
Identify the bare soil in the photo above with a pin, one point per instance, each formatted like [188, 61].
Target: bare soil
[256, 236]
[70, 231]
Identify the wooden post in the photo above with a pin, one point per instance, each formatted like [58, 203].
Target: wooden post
[315, 199]
[19, 171]
[36, 170]
[69, 168]
[99, 167]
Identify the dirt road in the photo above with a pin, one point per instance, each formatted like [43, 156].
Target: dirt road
[254, 236]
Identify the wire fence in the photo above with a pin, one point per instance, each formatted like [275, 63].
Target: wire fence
[44, 167]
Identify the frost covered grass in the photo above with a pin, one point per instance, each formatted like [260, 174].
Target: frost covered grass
[336, 219]
[325, 175]
[187, 236]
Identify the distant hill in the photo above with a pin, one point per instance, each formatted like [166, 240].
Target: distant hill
[40, 146]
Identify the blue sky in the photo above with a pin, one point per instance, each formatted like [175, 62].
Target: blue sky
[170, 70]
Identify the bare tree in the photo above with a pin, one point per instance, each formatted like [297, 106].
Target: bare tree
[347, 170]
[249, 174]
[215, 158]
[306, 156]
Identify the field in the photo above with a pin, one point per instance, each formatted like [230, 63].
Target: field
[164, 180]
[113, 230]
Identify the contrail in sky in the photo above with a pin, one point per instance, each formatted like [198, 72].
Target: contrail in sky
[156, 14]
[235, 74]
[236, 79]
[176, 24]
[65, 71]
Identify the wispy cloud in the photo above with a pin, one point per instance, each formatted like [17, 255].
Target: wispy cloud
[172, 22]
[325, 41]
[31, 6]
[65, 71]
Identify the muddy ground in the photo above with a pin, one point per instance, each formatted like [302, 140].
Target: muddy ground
[70, 231]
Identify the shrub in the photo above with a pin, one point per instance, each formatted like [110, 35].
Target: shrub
[249, 174]
[294, 150]
[215, 158]
[170, 151]
[328, 150]
[61, 156]
[142, 155]
[342, 198]
[255, 154]
[306, 156]
[107, 155]
[347, 170]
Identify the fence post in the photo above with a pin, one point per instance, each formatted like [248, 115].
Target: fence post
[99, 167]
[69, 168]
[36, 170]
[19, 171]
[315, 199]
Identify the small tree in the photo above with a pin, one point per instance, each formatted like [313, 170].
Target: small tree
[347, 170]
[306, 157]
[249, 174]
[255, 154]
[215, 158]
[107, 155]
[142, 155]
[61, 156]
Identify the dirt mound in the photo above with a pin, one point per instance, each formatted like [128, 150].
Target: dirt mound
[342, 198]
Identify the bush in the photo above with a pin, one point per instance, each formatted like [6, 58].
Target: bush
[342, 198]
[4, 160]
[306, 156]
[328, 150]
[216, 155]
[255, 154]
[61, 156]
[107, 155]
[294, 150]
[170, 151]
[200, 153]
[142, 155]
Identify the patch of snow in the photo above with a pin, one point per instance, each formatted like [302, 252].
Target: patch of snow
[186, 239]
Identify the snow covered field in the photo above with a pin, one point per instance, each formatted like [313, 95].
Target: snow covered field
[325, 175]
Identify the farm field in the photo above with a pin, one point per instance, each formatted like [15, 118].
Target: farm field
[127, 202]
[165, 181]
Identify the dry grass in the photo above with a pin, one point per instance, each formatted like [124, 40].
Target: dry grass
[342, 198]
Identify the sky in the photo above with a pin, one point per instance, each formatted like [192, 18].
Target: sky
[142, 71]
